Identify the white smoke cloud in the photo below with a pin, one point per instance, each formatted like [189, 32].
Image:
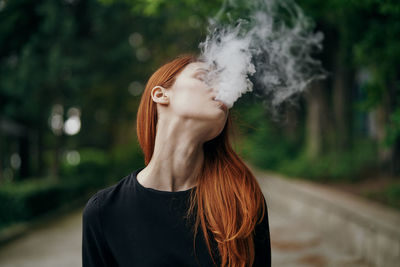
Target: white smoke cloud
[272, 47]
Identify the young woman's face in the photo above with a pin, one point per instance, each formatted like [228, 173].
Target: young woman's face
[190, 97]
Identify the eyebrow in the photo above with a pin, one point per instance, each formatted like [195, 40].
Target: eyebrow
[201, 69]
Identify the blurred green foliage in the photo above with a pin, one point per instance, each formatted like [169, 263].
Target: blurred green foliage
[390, 195]
[262, 141]
[98, 54]
[266, 144]
[349, 165]
[36, 197]
[29, 199]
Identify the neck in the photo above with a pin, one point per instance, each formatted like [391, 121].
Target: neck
[177, 158]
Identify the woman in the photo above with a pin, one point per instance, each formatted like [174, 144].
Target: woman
[193, 183]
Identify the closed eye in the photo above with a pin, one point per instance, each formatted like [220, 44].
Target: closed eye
[200, 76]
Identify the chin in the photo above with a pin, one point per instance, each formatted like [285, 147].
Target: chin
[215, 132]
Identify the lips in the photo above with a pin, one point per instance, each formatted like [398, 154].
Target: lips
[222, 105]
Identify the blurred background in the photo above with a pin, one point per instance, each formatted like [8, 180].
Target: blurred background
[72, 73]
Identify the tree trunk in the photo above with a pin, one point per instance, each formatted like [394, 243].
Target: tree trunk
[378, 119]
[317, 119]
[24, 156]
[291, 121]
[395, 168]
[1, 157]
[343, 81]
[55, 168]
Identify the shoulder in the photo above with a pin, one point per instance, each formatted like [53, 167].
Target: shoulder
[105, 196]
[262, 240]
[262, 225]
[90, 214]
[265, 213]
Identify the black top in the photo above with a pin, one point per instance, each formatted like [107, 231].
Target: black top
[129, 225]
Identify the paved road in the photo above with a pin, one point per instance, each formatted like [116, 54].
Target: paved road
[58, 243]
[54, 244]
[295, 244]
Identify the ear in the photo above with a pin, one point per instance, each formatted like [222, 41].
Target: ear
[159, 95]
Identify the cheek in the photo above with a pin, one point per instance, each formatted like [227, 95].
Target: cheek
[189, 100]
[185, 103]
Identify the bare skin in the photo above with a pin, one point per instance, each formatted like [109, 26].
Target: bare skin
[188, 116]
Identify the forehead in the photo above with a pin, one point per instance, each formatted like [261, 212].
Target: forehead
[194, 66]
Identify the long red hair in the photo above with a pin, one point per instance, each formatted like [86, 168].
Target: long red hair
[227, 202]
